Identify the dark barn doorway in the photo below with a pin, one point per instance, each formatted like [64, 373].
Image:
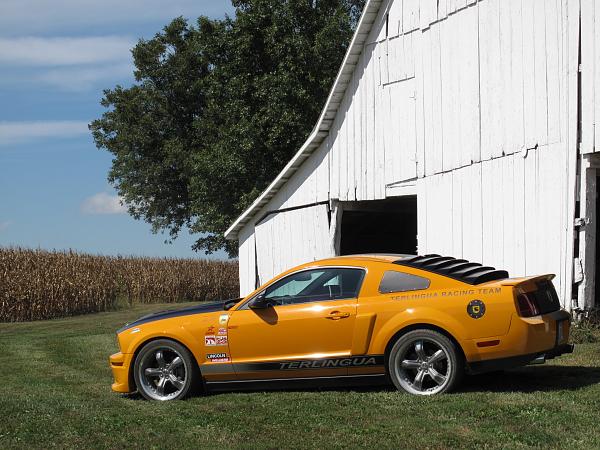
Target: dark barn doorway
[379, 226]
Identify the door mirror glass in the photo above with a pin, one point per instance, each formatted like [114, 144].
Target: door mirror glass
[260, 302]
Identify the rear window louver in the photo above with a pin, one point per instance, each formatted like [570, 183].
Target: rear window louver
[459, 269]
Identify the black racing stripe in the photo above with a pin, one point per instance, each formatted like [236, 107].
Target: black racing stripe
[309, 364]
[197, 309]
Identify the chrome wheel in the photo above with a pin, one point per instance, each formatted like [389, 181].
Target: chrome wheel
[424, 367]
[425, 362]
[163, 373]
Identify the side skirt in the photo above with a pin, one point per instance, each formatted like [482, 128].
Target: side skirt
[297, 383]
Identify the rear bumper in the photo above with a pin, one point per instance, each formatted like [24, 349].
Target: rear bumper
[491, 365]
[119, 364]
[528, 338]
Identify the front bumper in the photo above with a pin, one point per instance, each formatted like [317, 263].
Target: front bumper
[119, 364]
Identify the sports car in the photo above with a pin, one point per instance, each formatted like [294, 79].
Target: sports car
[418, 322]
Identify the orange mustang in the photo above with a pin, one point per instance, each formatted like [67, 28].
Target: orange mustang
[419, 321]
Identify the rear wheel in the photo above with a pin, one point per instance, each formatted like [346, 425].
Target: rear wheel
[165, 370]
[425, 362]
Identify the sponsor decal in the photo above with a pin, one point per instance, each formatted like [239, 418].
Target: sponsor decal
[476, 309]
[223, 318]
[210, 341]
[221, 340]
[326, 363]
[375, 361]
[210, 330]
[452, 293]
[217, 357]
[222, 331]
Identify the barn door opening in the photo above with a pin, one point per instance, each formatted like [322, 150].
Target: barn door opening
[379, 226]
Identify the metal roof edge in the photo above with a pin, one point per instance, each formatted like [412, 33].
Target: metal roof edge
[318, 133]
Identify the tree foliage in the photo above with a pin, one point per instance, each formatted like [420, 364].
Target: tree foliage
[218, 108]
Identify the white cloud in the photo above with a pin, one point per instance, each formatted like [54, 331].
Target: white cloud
[19, 132]
[103, 203]
[64, 51]
[19, 17]
[84, 78]
[4, 225]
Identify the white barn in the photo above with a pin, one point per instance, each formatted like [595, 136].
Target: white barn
[458, 127]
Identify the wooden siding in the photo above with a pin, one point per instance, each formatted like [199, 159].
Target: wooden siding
[590, 76]
[470, 85]
[247, 260]
[290, 238]
[477, 102]
[505, 212]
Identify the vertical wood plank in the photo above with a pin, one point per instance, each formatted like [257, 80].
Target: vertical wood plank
[485, 66]
[553, 68]
[541, 84]
[516, 119]
[529, 99]
[588, 34]
[436, 87]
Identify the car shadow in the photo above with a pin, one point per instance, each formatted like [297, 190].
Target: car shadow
[525, 379]
[533, 378]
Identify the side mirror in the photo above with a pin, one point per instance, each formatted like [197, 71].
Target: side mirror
[230, 303]
[260, 302]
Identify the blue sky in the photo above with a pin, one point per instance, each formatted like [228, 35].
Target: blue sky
[55, 59]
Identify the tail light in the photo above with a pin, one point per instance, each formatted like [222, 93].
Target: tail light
[527, 304]
[542, 300]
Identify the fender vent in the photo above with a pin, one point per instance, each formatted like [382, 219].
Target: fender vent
[459, 269]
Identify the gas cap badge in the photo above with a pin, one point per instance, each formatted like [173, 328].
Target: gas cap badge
[476, 309]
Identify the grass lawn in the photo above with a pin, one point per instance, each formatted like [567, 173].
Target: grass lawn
[55, 392]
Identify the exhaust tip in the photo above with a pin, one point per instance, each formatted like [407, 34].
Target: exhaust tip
[539, 360]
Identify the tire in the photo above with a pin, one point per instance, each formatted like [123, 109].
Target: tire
[425, 362]
[165, 370]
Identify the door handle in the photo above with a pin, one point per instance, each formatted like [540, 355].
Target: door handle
[337, 315]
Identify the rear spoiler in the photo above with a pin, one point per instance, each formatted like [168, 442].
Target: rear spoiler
[527, 280]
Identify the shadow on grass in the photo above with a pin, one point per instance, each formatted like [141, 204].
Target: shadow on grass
[529, 379]
[524, 379]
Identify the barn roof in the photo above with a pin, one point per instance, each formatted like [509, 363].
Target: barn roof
[321, 129]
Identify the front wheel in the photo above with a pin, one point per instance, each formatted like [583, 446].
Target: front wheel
[165, 370]
[425, 362]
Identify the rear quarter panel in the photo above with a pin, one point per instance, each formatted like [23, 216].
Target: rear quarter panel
[443, 304]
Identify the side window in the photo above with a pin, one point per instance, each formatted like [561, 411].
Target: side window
[393, 281]
[316, 285]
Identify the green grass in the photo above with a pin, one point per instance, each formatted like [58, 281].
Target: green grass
[55, 393]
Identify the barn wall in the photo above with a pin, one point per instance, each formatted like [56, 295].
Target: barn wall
[468, 82]
[505, 212]
[308, 185]
[590, 76]
[476, 100]
[290, 238]
[470, 97]
[247, 260]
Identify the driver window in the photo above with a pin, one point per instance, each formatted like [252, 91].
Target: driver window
[316, 285]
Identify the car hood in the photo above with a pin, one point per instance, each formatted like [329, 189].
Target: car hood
[203, 308]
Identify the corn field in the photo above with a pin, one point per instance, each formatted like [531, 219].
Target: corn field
[38, 284]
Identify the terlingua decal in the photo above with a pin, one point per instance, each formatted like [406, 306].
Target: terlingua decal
[324, 363]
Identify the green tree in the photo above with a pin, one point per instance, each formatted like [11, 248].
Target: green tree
[218, 109]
